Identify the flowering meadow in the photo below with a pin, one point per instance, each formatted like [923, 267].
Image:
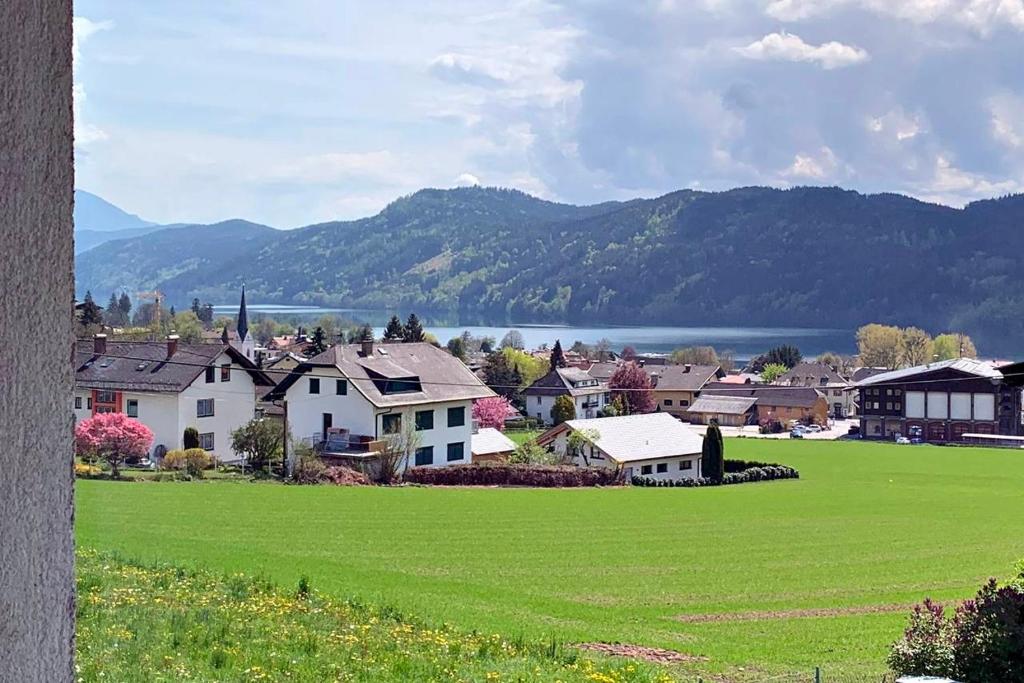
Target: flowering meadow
[162, 623]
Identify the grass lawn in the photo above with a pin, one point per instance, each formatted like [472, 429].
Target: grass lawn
[521, 436]
[762, 579]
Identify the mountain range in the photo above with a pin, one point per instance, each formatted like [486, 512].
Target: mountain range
[755, 256]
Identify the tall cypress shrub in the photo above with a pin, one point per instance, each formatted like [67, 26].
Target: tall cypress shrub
[713, 454]
[190, 438]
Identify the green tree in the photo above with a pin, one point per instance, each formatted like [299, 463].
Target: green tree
[394, 330]
[695, 355]
[125, 305]
[844, 365]
[260, 440]
[112, 314]
[557, 356]
[413, 330]
[771, 372]
[187, 326]
[513, 339]
[197, 308]
[916, 347]
[91, 313]
[530, 367]
[190, 438]
[880, 346]
[954, 345]
[787, 355]
[503, 377]
[457, 347]
[318, 342]
[487, 344]
[563, 409]
[712, 454]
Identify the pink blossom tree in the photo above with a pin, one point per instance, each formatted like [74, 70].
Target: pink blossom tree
[491, 412]
[114, 437]
[631, 385]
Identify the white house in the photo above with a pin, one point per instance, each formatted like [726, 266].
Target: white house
[169, 386]
[588, 393]
[654, 445]
[350, 397]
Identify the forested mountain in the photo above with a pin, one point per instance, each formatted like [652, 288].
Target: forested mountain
[821, 257]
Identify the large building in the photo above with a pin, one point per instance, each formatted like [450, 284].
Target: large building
[348, 399]
[676, 387]
[943, 400]
[169, 386]
[774, 403]
[833, 386]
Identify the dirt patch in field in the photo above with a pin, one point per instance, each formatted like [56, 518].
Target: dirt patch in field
[649, 654]
[765, 615]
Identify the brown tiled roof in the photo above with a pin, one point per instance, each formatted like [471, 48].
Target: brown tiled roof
[432, 374]
[770, 395]
[810, 375]
[144, 366]
[722, 405]
[682, 377]
[561, 381]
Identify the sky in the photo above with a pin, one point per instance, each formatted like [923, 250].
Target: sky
[315, 110]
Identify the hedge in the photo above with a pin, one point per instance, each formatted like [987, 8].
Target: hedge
[499, 474]
[756, 472]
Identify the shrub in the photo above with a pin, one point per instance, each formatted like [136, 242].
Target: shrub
[190, 438]
[530, 453]
[86, 471]
[173, 460]
[737, 472]
[191, 461]
[540, 476]
[114, 437]
[260, 440]
[309, 469]
[983, 641]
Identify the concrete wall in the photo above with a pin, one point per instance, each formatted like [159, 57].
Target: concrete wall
[36, 185]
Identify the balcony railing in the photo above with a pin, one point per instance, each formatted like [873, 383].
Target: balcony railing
[338, 440]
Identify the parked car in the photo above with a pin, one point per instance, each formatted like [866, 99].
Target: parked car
[854, 430]
[796, 434]
[902, 440]
[814, 428]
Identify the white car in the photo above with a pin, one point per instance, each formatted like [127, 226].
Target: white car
[813, 428]
[903, 440]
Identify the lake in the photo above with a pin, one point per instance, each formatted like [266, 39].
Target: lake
[744, 342]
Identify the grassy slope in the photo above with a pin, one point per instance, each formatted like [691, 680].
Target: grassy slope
[868, 524]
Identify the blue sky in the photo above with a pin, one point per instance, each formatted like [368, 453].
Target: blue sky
[311, 110]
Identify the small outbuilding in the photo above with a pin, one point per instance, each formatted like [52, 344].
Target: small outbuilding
[654, 445]
[732, 411]
[490, 445]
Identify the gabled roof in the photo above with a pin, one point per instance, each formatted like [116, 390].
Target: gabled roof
[682, 377]
[766, 394]
[144, 366]
[967, 366]
[810, 375]
[861, 374]
[722, 405]
[562, 381]
[438, 376]
[488, 441]
[632, 438]
[603, 371]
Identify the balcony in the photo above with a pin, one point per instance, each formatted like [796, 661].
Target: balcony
[339, 441]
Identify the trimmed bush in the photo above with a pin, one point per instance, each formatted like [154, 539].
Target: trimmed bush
[192, 461]
[190, 438]
[736, 472]
[86, 471]
[497, 474]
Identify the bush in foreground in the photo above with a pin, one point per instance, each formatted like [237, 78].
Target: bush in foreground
[540, 476]
[736, 472]
[138, 623]
[982, 641]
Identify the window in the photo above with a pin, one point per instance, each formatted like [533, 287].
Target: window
[899, 392]
[668, 401]
[210, 377]
[424, 420]
[538, 400]
[425, 456]
[888, 392]
[78, 402]
[88, 402]
[645, 469]
[456, 416]
[888, 405]
[206, 441]
[131, 407]
[314, 385]
[456, 451]
[684, 403]
[225, 372]
[204, 407]
[341, 387]
[391, 423]
[837, 392]
[662, 467]
[686, 464]
[106, 402]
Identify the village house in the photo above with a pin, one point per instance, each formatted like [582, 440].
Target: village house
[728, 411]
[588, 394]
[490, 445]
[776, 403]
[348, 399]
[169, 386]
[677, 386]
[654, 445]
[944, 401]
[834, 387]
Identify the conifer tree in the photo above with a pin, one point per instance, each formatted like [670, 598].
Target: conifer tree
[413, 331]
[394, 330]
[712, 462]
[91, 313]
[557, 356]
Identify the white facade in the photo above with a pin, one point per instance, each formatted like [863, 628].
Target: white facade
[168, 414]
[446, 424]
[663, 469]
[587, 405]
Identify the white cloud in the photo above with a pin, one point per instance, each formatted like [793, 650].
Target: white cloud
[813, 167]
[982, 16]
[790, 47]
[467, 180]
[896, 124]
[81, 29]
[1007, 111]
[955, 187]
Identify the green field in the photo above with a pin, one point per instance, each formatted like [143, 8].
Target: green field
[774, 577]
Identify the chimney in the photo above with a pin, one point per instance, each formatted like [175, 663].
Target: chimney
[367, 345]
[172, 344]
[99, 344]
[686, 368]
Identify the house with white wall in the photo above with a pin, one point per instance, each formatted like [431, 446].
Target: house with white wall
[348, 399]
[653, 445]
[588, 393]
[169, 386]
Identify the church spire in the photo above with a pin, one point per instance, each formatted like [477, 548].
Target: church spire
[243, 319]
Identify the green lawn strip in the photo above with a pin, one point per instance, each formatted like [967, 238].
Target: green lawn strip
[521, 436]
[866, 525]
[159, 622]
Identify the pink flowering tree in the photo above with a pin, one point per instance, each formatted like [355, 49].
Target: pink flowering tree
[114, 437]
[491, 412]
[631, 386]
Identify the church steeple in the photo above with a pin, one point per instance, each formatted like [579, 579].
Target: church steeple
[243, 319]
